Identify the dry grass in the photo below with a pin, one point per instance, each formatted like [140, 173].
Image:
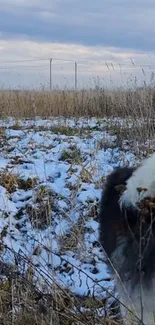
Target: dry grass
[22, 302]
[71, 155]
[12, 181]
[40, 209]
[135, 106]
[137, 102]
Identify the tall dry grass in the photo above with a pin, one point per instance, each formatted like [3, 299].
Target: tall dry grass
[99, 102]
[134, 108]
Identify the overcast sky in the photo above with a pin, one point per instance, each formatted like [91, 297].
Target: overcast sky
[112, 31]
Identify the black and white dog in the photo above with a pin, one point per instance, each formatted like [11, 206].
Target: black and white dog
[127, 234]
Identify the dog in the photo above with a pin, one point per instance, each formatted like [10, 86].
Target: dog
[127, 235]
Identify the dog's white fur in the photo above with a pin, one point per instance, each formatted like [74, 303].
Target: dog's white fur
[143, 177]
[132, 299]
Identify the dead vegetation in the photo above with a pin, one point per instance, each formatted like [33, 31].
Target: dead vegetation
[22, 302]
[133, 109]
[99, 102]
[40, 209]
[72, 155]
[12, 182]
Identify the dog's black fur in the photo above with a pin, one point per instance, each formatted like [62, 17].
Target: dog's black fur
[110, 214]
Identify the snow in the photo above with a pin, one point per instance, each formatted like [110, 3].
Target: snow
[36, 153]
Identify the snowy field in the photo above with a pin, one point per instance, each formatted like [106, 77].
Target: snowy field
[51, 176]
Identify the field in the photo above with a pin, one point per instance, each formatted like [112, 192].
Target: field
[55, 152]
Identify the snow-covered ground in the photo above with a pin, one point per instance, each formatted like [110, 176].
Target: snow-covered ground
[51, 222]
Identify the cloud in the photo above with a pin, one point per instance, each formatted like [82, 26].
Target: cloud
[99, 35]
[125, 24]
[25, 63]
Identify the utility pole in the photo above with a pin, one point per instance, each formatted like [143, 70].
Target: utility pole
[75, 75]
[50, 73]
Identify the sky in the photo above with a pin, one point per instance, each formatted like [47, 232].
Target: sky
[111, 41]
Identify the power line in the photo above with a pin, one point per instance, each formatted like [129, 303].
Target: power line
[114, 68]
[38, 59]
[91, 66]
[24, 67]
[22, 61]
[106, 63]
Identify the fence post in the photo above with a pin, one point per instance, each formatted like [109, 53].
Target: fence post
[50, 73]
[75, 75]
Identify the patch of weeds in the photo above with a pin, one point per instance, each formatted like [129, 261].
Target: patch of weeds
[3, 136]
[4, 233]
[105, 144]
[151, 151]
[18, 160]
[9, 181]
[72, 155]
[22, 303]
[96, 127]
[68, 242]
[47, 148]
[19, 214]
[89, 302]
[85, 176]
[41, 128]
[100, 182]
[113, 129]
[12, 182]
[91, 306]
[39, 211]
[39, 215]
[27, 184]
[23, 300]
[16, 126]
[93, 213]
[72, 240]
[43, 192]
[68, 131]
[125, 133]
[15, 160]
[73, 188]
